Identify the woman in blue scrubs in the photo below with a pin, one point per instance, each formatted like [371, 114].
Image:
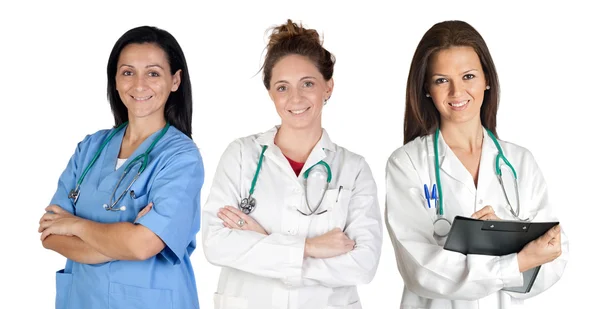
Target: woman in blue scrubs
[128, 240]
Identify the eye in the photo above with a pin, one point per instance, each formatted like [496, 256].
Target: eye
[440, 81]
[127, 73]
[469, 76]
[308, 84]
[153, 74]
[281, 88]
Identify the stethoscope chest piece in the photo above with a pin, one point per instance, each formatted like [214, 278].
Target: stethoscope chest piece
[74, 194]
[441, 227]
[248, 204]
[108, 208]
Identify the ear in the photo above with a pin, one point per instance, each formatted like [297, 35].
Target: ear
[176, 81]
[329, 89]
[426, 89]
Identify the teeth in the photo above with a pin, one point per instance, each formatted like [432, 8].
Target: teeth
[143, 98]
[300, 111]
[459, 104]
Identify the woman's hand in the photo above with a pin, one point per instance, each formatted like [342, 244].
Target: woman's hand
[330, 244]
[57, 221]
[235, 219]
[544, 249]
[485, 213]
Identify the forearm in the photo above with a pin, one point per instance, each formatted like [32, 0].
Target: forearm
[119, 240]
[75, 249]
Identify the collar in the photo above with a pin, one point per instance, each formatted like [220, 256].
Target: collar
[268, 139]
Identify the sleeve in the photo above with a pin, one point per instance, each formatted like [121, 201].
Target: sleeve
[426, 268]
[364, 226]
[175, 194]
[541, 209]
[274, 256]
[68, 180]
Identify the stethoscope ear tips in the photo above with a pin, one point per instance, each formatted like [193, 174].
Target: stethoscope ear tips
[122, 208]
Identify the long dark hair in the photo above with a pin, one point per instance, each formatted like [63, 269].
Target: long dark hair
[420, 115]
[178, 109]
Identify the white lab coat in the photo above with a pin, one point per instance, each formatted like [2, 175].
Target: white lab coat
[437, 278]
[269, 271]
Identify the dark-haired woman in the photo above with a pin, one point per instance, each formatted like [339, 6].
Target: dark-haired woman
[449, 167]
[127, 208]
[292, 218]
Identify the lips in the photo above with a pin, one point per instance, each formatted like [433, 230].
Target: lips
[298, 111]
[142, 98]
[459, 105]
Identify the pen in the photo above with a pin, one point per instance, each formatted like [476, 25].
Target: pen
[434, 195]
[339, 193]
[427, 195]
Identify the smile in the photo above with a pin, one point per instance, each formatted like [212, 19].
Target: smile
[142, 98]
[299, 111]
[459, 104]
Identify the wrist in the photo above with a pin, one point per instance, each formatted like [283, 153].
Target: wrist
[307, 248]
[523, 262]
[78, 227]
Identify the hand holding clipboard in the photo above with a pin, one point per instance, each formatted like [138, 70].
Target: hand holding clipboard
[535, 242]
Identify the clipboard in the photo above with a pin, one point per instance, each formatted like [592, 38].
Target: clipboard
[491, 237]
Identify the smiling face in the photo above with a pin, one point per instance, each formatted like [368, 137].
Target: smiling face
[299, 90]
[144, 80]
[456, 83]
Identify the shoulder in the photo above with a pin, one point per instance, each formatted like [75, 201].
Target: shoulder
[349, 158]
[176, 143]
[250, 143]
[93, 141]
[412, 152]
[517, 153]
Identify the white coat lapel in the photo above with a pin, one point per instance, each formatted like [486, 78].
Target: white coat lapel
[451, 165]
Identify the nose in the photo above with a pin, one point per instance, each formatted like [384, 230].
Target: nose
[456, 89]
[140, 83]
[295, 95]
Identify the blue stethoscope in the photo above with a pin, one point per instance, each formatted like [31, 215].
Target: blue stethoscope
[143, 159]
[248, 204]
[441, 225]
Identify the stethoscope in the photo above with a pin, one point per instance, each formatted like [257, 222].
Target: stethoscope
[248, 204]
[441, 225]
[143, 159]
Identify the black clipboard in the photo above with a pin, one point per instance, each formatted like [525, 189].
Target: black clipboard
[491, 237]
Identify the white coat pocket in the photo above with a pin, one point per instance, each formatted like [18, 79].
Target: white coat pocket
[335, 203]
[229, 302]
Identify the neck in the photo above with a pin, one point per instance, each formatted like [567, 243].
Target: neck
[297, 144]
[139, 129]
[467, 137]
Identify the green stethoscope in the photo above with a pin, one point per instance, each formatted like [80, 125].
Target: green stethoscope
[441, 226]
[248, 204]
[143, 159]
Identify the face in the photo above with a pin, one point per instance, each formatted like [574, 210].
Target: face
[457, 84]
[299, 90]
[144, 80]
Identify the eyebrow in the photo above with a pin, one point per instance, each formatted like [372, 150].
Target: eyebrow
[148, 66]
[465, 72]
[303, 78]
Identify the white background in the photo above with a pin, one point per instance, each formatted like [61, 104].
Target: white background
[53, 93]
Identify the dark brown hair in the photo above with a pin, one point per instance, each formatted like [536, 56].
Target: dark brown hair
[289, 39]
[420, 115]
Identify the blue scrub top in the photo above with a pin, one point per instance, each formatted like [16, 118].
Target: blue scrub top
[172, 181]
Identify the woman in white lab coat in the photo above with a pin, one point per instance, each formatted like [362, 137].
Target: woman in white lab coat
[277, 245]
[453, 91]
